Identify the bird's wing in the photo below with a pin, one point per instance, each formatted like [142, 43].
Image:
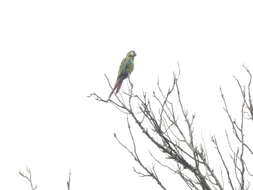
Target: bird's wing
[130, 67]
[122, 68]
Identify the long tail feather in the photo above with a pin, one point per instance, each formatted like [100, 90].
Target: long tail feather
[119, 86]
[116, 87]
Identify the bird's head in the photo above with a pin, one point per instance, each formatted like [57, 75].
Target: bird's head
[131, 54]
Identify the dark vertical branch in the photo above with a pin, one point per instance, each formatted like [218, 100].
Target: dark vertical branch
[69, 180]
[229, 178]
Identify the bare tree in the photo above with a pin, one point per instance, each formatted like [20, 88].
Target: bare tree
[165, 122]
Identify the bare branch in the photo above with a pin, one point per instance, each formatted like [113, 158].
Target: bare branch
[28, 177]
[69, 180]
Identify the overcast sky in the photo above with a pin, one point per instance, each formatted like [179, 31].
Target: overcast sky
[54, 53]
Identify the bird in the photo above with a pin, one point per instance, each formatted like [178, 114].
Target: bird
[125, 69]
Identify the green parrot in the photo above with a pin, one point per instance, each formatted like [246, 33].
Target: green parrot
[125, 69]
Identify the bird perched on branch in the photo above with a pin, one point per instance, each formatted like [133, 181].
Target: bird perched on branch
[125, 69]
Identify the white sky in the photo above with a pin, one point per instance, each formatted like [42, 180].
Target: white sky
[54, 53]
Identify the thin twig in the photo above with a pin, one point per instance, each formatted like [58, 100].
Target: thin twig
[28, 177]
[69, 180]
